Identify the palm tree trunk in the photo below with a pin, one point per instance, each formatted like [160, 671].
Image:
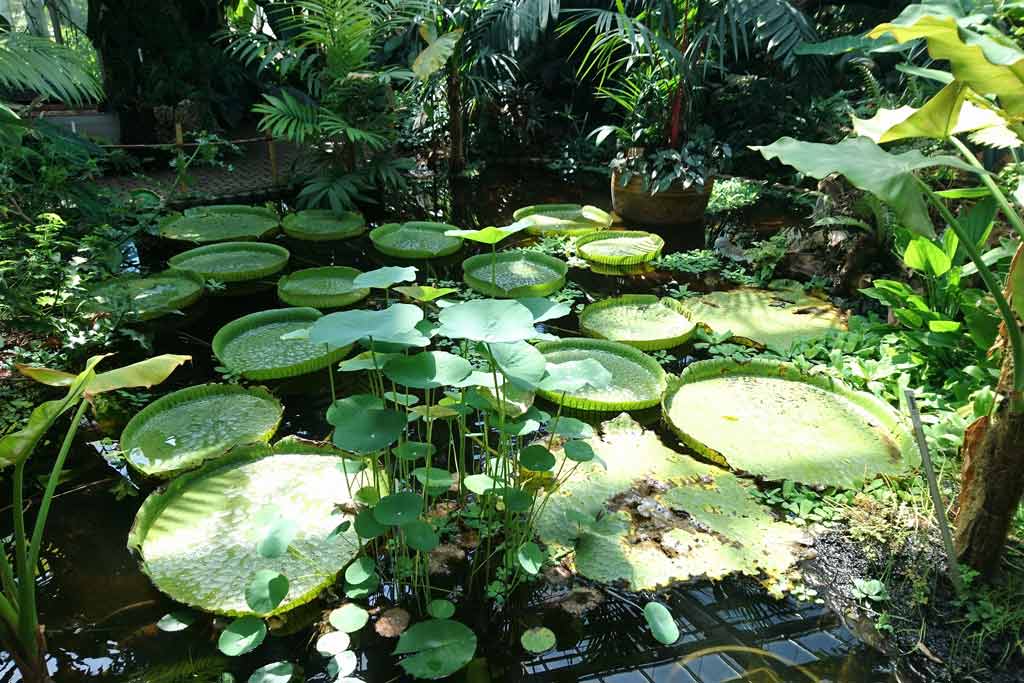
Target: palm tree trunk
[456, 132]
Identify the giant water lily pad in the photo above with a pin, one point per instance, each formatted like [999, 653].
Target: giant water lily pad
[222, 223]
[253, 346]
[203, 538]
[181, 430]
[323, 225]
[515, 274]
[640, 320]
[646, 515]
[327, 287]
[145, 298]
[765, 318]
[637, 381]
[772, 420]
[416, 239]
[562, 219]
[620, 247]
[232, 261]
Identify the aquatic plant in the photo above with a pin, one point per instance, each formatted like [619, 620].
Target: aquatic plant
[324, 287]
[514, 274]
[620, 247]
[416, 239]
[232, 261]
[146, 298]
[323, 225]
[222, 223]
[562, 219]
[640, 320]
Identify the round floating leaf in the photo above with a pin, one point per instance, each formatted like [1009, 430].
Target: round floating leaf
[440, 609]
[487, 320]
[178, 620]
[266, 591]
[489, 235]
[361, 569]
[575, 375]
[571, 428]
[663, 625]
[333, 643]
[562, 219]
[640, 320]
[341, 665]
[220, 224]
[479, 483]
[620, 247]
[321, 225]
[808, 428]
[369, 431]
[536, 458]
[358, 591]
[433, 477]
[232, 261]
[367, 526]
[398, 508]
[242, 635]
[637, 380]
[275, 672]
[428, 370]
[253, 345]
[396, 324]
[530, 558]
[385, 277]
[538, 639]
[349, 618]
[762, 318]
[415, 239]
[514, 274]
[436, 648]
[579, 451]
[327, 287]
[183, 429]
[420, 536]
[198, 538]
[145, 298]
[414, 450]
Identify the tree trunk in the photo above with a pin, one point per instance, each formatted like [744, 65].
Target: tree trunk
[993, 481]
[457, 142]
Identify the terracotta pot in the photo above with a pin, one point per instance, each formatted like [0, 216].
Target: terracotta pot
[674, 206]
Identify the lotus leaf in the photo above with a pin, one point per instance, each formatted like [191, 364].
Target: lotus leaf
[640, 320]
[182, 430]
[763, 318]
[487, 320]
[220, 224]
[327, 287]
[198, 537]
[620, 248]
[428, 370]
[319, 225]
[145, 298]
[522, 364]
[415, 240]
[232, 261]
[437, 648]
[490, 235]
[807, 428]
[385, 277]
[646, 515]
[545, 309]
[515, 274]
[563, 219]
[395, 324]
[253, 346]
[637, 381]
[424, 293]
[441, 609]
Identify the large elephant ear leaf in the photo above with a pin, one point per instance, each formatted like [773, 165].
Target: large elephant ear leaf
[868, 167]
[946, 114]
[436, 54]
[985, 65]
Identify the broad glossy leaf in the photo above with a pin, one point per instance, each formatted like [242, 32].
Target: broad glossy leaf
[414, 450]
[579, 451]
[275, 672]
[922, 255]
[435, 55]
[358, 591]
[545, 309]
[242, 635]
[367, 526]
[349, 618]
[487, 320]
[341, 665]
[890, 177]
[530, 558]
[351, 406]
[404, 400]
[1015, 283]
[842, 45]
[277, 536]
[396, 324]
[385, 277]
[571, 428]
[428, 370]
[420, 536]
[367, 360]
[436, 648]
[266, 591]
[947, 113]
[663, 626]
[536, 458]
[398, 508]
[479, 483]
[433, 477]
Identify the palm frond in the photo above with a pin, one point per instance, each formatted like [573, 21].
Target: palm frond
[34, 63]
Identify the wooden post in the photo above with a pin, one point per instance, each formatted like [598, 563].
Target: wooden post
[272, 154]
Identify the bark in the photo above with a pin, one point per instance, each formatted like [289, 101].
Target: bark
[992, 484]
[456, 132]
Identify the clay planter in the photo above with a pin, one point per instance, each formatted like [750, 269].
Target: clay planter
[671, 207]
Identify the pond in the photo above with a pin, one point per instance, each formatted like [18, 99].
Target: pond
[100, 610]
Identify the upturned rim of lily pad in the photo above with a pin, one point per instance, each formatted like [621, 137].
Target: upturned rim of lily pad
[163, 306]
[584, 245]
[187, 395]
[349, 224]
[323, 273]
[580, 226]
[634, 355]
[447, 244]
[232, 330]
[227, 251]
[476, 272]
[269, 222]
[589, 328]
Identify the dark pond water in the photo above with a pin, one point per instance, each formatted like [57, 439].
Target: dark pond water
[100, 610]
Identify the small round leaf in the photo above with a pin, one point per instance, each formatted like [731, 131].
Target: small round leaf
[275, 672]
[663, 625]
[398, 509]
[530, 558]
[538, 640]
[266, 591]
[361, 569]
[349, 618]
[332, 643]
[242, 635]
[536, 458]
[441, 609]
[420, 536]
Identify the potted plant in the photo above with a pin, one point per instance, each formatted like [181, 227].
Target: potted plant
[649, 58]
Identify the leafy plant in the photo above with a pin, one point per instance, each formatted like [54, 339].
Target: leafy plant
[871, 590]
